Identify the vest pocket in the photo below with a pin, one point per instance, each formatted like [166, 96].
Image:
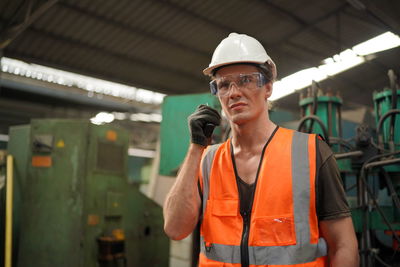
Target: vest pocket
[223, 224]
[275, 230]
[225, 207]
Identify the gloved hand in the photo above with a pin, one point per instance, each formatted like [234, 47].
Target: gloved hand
[201, 124]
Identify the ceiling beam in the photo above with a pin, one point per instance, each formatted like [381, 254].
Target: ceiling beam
[195, 15]
[132, 29]
[117, 56]
[11, 33]
[304, 24]
[383, 12]
[312, 25]
[308, 49]
[209, 21]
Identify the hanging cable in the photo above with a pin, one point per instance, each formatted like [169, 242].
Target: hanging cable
[364, 173]
[390, 113]
[314, 118]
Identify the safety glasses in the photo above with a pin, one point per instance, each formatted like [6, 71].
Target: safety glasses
[249, 81]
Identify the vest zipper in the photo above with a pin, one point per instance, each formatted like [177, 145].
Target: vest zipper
[246, 216]
[244, 248]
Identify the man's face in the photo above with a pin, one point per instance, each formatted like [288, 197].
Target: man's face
[243, 99]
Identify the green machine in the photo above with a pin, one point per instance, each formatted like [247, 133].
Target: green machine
[387, 114]
[73, 203]
[321, 114]
[372, 164]
[174, 129]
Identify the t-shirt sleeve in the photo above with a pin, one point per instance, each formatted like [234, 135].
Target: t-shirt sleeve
[331, 198]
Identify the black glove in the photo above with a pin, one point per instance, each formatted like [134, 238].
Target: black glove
[202, 123]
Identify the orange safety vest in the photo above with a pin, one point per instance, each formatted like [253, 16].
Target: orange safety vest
[282, 228]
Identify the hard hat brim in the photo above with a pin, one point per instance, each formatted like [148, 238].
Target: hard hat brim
[209, 71]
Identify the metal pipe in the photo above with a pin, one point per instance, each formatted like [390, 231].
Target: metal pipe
[357, 153]
[391, 189]
[340, 121]
[364, 194]
[390, 113]
[321, 124]
[351, 187]
[393, 84]
[314, 106]
[9, 213]
[81, 98]
[330, 130]
[370, 193]
[339, 124]
[363, 181]
[382, 163]
[13, 32]
[360, 202]
[341, 142]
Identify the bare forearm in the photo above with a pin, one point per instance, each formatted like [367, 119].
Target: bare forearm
[342, 242]
[344, 257]
[181, 207]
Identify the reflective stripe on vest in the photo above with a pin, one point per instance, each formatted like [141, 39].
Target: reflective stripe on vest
[271, 255]
[206, 166]
[303, 251]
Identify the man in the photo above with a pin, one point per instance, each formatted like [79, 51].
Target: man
[269, 196]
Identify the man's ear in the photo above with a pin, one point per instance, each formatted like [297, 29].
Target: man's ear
[268, 90]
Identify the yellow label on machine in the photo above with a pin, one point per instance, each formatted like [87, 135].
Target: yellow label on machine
[60, 143]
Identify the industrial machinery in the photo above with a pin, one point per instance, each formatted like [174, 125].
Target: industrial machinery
[369, 165]
[73, 205]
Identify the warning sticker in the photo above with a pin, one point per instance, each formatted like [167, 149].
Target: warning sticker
[111, 135]
[60, 143]
[41, 161]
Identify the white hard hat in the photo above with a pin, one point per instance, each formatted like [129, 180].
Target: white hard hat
[239, 48]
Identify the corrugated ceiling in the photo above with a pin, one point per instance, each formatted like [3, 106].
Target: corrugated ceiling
[163, 45]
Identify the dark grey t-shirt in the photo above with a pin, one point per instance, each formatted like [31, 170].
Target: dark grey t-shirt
[331, 200]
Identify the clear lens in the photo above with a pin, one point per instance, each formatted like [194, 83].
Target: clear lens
[249, 81]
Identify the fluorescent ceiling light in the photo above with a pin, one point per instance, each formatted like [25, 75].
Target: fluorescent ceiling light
[105, 117]
[102, 118]
[90, 84]
[119, 115]
[304, 78]
[154, 117]
[338, 63]
[381, 42]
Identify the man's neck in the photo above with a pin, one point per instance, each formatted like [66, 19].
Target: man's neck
[252, 135]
